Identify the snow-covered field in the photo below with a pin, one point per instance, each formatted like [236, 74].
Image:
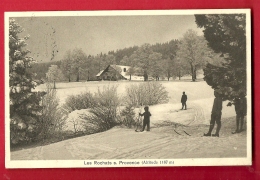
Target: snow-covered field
[174, 133]
[194, 90]
[200, 99]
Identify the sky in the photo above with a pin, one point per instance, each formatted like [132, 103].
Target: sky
[96, 34]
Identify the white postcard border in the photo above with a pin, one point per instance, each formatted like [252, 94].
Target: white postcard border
[82, 163]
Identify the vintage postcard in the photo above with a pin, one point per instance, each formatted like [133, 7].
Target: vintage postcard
[128, 88]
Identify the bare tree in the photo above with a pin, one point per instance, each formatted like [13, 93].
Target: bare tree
[192, 52]
[66, 65]
[79, 57]
[54, 74]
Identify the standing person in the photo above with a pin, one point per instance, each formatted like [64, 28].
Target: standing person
[241, 111]
[183, 100]
[146, 120]
[215, 115]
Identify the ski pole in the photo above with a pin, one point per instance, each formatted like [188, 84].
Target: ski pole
[137, 123]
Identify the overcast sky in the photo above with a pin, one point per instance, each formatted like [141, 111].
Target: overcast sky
[100, 34]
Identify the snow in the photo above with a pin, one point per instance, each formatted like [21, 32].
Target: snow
[99, 73]
[174, 133]
[74, 122]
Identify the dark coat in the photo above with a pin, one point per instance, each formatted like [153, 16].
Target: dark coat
[217, 106]
[241, 106]
[146, 115]
[184, 98]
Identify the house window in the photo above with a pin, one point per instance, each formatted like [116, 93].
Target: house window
[124, 69]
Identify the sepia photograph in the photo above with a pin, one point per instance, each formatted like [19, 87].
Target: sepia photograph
[128, 88]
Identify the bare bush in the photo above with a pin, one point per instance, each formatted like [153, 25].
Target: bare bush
[102, 119]
[53, 117]
[147, 93]
[76, 125]
[104, 111]
[76, 102]
[107, 97]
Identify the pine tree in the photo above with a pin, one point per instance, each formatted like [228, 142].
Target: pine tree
[25, 108]
[226, 35]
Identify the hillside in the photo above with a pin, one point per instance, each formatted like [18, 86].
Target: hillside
[174, 133]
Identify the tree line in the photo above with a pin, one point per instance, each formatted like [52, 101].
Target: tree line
[172, 59]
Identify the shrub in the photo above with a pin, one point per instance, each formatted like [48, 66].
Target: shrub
[101, 119]
[104, 111]
[53, 117]
[107, 97]
[76, 102]
[147, 93]
[128, 116]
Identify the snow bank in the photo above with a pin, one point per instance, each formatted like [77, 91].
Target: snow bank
[74, 121]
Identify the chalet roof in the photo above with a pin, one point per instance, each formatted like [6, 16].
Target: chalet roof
[115, 67]
[122, 69]
[100, 73]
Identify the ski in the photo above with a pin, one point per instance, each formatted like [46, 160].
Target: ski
[205, 136]
[187, 133]
[177, 132]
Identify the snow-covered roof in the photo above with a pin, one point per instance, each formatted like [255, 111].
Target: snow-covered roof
[122, 69]
[118, 66]
[100, 73]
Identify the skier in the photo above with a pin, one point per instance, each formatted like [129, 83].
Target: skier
[146, 120]
[215, 115]
[183, 100]
[241, 111]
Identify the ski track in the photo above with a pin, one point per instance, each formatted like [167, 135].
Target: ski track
[161, 142]
[151, 146]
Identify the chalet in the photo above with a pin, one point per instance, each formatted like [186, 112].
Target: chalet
[114, 73]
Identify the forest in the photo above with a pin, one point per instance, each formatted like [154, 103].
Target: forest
[161, 61]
